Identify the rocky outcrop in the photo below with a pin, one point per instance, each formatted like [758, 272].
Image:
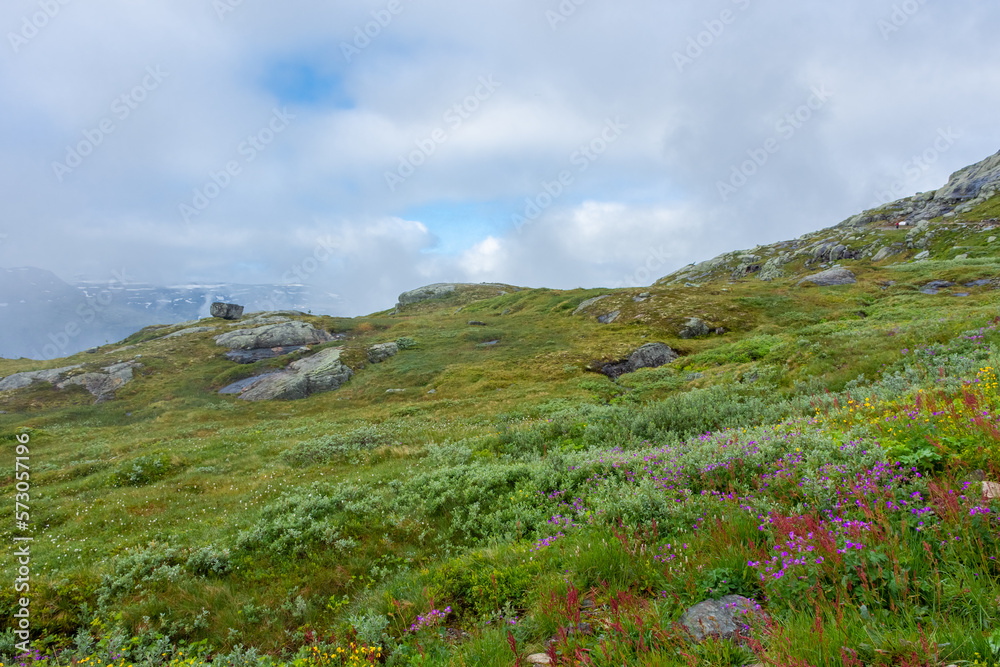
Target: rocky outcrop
[259, 354]
[724, 618]
[834, 276]
[381, 351]
[227, 311]
[693, 328]
[104, 385]
[650, 355]
[321, 372]
[26, 379]
[584, 305]
[257, 321]
[438, 290]
[284, 334]
[191, 330]
[609, 318]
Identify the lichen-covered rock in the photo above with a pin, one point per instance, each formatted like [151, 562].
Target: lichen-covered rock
[284, 334]
[608, 318]
[584, 305]
[381, 351]
[723, 618]
[28, 378]
[693, 328]
[319, 373]
[834, 276]
[104, 385]
[650, 355]
[191, 330]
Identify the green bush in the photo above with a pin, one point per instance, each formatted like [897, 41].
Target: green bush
[142, 470]
[477, 585]
[350, 446]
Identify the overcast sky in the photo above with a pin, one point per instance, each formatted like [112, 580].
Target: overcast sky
[371, 147]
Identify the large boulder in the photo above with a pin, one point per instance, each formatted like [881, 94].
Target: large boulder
[381, 351]
[650, 355]
[104, 385]
[28, 378]
[321, 372]
[723, 618]
[693, 328]
[227, 311]
[438, 290]
[834, 276]
[283, 334]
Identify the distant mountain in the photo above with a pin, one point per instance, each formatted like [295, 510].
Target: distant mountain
[45, 317]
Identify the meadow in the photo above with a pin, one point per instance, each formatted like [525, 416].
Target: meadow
[829, 457]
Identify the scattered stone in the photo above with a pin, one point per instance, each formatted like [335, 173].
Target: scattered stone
[381, 351]
[641, 298]
[830, 277]
[979, 283]
[584, 305]
[238, 386]
[924, 254]
[936, 286]
[432, 391]
[227, 311]
[610, 317]
[394, 391]
[253, 356]
[284, 334]
[92, 350]
[720, 331]
[28, 378]
[960, 294]
[321, 372]
[477, 323]
[489, 343]
[991, 490]
[691, 285]
[185, 332]
[539, 659]
[964, 255]
[991, 239]
[693, 328]
[650, 355]
[723, 618]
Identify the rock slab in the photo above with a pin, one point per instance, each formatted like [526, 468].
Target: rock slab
[104, 385]
[28, 378]
[283, 334]
[321, 372]
[227, 311]
[724, 618]
[693, 328]
[834, 276]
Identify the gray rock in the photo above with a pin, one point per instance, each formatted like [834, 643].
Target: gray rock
[922, 255]
[253, 356]
[185, 332]
[584, 305]
[28, 378]
[321, 372]
[227, 311]
[284, 334]
[723, 618]
[477, 323]
[888, 251]
[104, 385]
[962, 256]
[258, 321]
[650, 355]
[381, 351]
[438, 290]
[935, 286]
[609, 317]
[693, 328]
[834, 276]
[489, 343]
[979, 283]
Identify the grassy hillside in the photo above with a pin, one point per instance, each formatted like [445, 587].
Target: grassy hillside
[824, 456]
